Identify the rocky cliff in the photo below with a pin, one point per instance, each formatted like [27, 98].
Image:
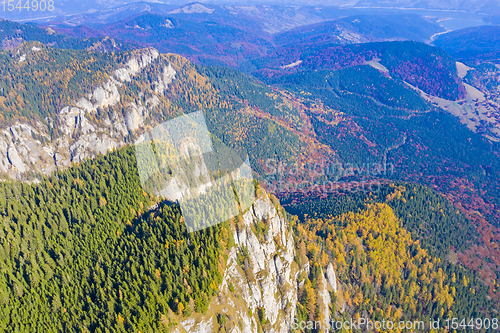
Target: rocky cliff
[259, 288]
[259, 291]
[96, 122]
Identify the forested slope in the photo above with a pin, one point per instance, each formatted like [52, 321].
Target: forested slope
[423, 66]
[473, 45]
[80, 251]
[394, 253]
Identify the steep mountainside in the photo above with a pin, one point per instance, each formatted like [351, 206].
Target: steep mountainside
[259, 287]
[311, 117]
[384, 128]
[115, 97]
[259, 272]
[147, 272]
[371, 250]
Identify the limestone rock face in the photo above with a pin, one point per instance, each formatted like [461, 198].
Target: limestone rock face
[14, 159]
[270, 262]
[165, 79]
[266, 282]
[136, 64]
[324, 300]
[134, 117]
[92, 124]
[331, 277]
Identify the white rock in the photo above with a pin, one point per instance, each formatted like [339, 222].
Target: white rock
[324, 299]
[168, 24]
[93, 143]
[331, 277]
[85, 104]
[14, 159]
[165, 79]
[107, 95]
[134, 118]
[135, 64]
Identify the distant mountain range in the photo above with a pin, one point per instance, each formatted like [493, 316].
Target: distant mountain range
[483, 6]
[363, 28]
[12, 34]
[271, 18]
[91, 12]
[480, 6]
[231, 35]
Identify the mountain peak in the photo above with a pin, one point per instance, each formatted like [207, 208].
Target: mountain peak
[192, 8]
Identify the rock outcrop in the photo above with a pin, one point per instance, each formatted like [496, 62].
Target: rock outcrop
[95, 123]
[331, 277]
[261, 291]
[324, 301]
